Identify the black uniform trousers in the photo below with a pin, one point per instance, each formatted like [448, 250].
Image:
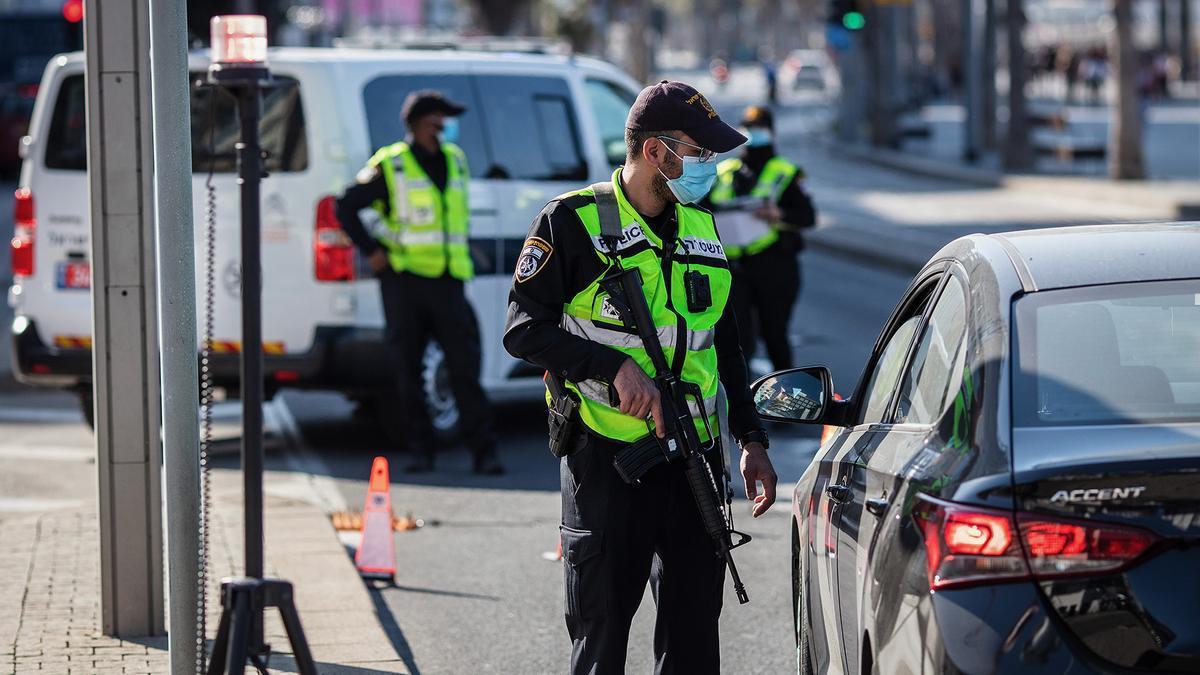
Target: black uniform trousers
[615, 536]
[416, 309]
[765, 288]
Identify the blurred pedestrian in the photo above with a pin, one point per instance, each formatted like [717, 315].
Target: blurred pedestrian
[1095, 73]
[616, 535]
[761, 208]
[418, 189]
[771, 75]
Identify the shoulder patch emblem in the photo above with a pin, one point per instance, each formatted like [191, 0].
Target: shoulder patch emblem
[367, 174]
[533, 258]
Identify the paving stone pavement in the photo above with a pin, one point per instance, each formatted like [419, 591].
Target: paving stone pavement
[50, 595]
[50, 600]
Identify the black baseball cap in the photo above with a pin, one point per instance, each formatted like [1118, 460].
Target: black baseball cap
[669, 106]
[425, 101]
[758, 116]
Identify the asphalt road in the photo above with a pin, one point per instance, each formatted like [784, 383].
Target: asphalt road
[474, 593]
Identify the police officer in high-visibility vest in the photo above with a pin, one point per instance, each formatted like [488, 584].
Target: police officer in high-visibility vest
[418, 249]
[760, 206]
[617, 535]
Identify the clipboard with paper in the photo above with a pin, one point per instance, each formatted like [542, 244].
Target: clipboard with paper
[737, 224]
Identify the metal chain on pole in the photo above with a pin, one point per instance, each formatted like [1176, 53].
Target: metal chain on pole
[206, 387]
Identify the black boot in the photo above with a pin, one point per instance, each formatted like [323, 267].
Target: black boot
[487, 463]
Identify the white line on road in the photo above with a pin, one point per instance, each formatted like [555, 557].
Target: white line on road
[49, 453]
[34, 505]
[16, 414]
[307, 464]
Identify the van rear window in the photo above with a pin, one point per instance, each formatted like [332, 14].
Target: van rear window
[66, 145]
[214, 124]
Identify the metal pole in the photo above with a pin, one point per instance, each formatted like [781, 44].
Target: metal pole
[177, 321]
[1187, 58]
[120, 157]
[973, 74]
[249, 176]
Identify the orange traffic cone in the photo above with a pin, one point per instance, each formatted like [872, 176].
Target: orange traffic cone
[376, 555]
[829, 430]
[555, 556]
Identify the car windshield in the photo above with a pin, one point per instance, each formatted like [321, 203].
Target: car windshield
[1119, 354]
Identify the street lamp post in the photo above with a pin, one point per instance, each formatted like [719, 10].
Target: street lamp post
[239, 51]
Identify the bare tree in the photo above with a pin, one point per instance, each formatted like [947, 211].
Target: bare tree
[1017, 152]
[1125, 139]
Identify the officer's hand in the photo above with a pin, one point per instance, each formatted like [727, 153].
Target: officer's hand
[378, 260]
[769, 212]
[756, 468]
[639, 397]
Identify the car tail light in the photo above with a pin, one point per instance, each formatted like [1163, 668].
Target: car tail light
[24, 229]
[333, 252]
[1057, 547]
[969, 545]
[966, 545]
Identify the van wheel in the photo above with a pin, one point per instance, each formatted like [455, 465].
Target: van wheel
[439, 401]
[443, 409]
[87, 405]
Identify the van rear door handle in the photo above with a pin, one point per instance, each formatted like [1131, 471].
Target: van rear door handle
[877, 506]
[838, 493]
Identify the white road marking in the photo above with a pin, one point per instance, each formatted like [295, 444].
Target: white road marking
[17, 414]
[49, 453]
[34, 505]
[308, 465]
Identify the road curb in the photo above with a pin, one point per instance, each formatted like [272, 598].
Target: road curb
[874, 257]
[924, 166]
[1176, 198]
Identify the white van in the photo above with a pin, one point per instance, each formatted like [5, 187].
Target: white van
[536, 125]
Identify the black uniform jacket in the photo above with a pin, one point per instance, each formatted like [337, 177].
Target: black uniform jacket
[371, 187]
[532, 330]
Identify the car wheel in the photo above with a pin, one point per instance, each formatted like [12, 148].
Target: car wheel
[443, 408]
[803, 656]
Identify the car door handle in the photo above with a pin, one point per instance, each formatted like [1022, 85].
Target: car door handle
[838, 493]
[877, 506]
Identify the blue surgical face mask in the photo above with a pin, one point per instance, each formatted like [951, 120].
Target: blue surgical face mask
[450, 130]
[759, 137]
[695, 181]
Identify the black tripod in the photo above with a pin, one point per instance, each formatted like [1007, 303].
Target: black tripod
[240, 632]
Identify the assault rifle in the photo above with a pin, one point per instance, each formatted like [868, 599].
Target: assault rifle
[680, 438]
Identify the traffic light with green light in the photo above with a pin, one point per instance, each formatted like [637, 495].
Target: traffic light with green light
[847, 14]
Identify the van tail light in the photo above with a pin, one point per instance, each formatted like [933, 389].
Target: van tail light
[24, 230]
[333, 252]
[969, 545]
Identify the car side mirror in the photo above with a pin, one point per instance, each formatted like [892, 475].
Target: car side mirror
[799, 395]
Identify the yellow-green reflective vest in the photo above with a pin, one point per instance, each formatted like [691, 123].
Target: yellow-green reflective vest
[776, 175]
[687, 337]
[425, 230]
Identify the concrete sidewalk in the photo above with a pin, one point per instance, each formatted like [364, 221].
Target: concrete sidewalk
[49, 567]
[895, 228]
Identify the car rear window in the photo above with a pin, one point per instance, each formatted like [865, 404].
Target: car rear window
[528, 129]
[214, 122]
[1119, 354]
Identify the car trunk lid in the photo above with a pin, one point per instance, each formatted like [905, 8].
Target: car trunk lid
[1147, 477]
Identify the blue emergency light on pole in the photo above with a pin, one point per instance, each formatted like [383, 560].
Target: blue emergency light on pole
[239, 66]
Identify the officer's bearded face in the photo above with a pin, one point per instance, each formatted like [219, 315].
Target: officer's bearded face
[668, 165]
